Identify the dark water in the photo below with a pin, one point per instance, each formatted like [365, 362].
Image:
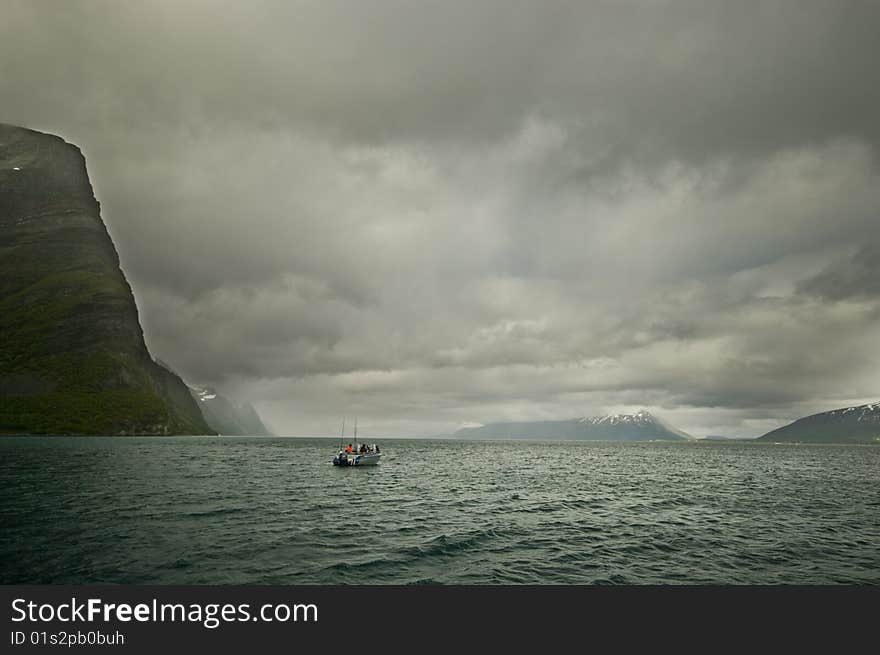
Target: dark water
[258, 510]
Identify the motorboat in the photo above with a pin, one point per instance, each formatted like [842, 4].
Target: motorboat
[369, 458]
[356, 454]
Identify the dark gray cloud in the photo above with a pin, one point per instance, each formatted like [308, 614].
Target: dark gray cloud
[433, 213]
[855, 277]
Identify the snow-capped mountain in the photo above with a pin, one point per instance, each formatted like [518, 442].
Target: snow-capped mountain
[640, 426]
[859, 424]
[641, 417]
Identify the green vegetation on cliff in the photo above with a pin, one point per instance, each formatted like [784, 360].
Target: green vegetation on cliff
[72, 354]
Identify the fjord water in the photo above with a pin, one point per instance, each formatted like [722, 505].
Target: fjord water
[231, 510]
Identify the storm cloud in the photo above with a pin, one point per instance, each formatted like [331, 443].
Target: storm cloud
[435, 213]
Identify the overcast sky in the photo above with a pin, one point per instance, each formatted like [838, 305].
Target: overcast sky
[428, 214]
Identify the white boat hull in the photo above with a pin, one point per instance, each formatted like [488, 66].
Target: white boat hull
[367, 459]
[357, 459]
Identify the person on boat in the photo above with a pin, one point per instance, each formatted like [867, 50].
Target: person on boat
[376, 447]
[349, 449]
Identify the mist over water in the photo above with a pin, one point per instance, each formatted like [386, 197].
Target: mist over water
[227, 510]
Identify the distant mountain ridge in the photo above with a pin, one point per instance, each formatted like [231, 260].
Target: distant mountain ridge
[640, 426]
[860, 424]
[227, 418]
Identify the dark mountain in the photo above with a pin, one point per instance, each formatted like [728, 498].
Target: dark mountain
[228, 418]
[73, 358]
[641, 426]
[848, 425]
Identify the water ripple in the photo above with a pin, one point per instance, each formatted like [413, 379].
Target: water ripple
[212, 510]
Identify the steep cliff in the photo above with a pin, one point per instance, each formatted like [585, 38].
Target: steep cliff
[72, 353]
[227, 418]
